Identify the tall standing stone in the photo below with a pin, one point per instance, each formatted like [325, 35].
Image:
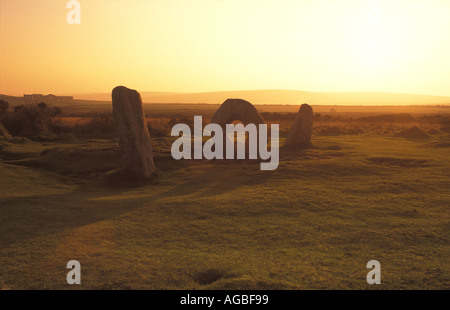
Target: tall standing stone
[134, 138]
[300, 134]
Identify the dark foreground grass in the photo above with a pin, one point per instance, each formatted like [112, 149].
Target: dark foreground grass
[314, 223]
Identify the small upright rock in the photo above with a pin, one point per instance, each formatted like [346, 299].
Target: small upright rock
[4, 132]
[134, 138]
[300, 134]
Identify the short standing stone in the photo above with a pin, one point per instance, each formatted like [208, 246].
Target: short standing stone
[4, 132]
[134, 138]
[300, 134]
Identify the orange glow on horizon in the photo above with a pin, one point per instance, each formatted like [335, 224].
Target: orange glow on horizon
[216, 45]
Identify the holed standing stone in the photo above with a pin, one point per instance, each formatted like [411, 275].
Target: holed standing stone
[237, 110]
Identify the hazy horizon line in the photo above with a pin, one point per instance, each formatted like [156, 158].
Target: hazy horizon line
[225, 91]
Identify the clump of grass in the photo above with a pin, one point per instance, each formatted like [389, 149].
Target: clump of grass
[208, 276]
[413, 133]
[32, 120]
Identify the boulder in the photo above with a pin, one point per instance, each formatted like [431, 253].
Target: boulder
[134, 138]
[299, 135]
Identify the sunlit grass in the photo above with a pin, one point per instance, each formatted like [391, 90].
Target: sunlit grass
[313, 223]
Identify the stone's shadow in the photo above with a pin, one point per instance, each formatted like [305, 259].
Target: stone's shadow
[57, 213]
[52, 214]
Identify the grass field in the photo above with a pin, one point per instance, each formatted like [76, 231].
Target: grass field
[313, 223]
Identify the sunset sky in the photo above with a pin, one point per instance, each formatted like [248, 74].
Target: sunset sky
[216, 45]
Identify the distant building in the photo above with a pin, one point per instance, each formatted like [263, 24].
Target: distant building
[37, 98]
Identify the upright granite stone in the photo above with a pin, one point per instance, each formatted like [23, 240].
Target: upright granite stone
[300, 133]
[134, 138]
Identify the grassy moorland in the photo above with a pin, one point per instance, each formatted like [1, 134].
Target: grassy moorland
[365, 191]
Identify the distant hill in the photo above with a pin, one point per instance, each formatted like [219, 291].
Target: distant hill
[107, 96]
[12, 99]
[289, 97]
[298, 97]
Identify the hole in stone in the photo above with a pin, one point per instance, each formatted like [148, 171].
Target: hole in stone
[236, 137]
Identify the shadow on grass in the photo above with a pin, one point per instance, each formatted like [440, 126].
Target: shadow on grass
[22, 218]
[27, 217]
